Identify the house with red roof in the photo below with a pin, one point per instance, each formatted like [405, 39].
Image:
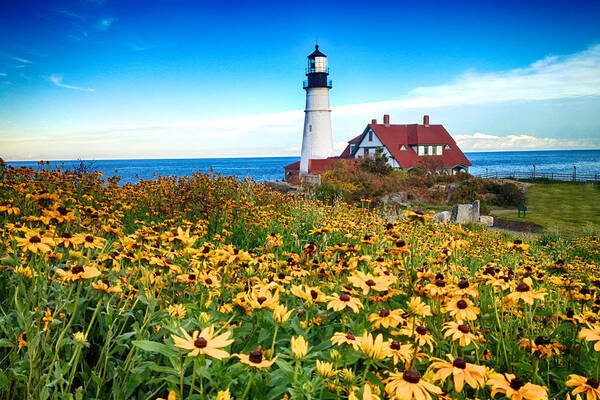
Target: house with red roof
[407, 146]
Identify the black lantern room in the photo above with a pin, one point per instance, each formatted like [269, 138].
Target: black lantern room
[317, 70]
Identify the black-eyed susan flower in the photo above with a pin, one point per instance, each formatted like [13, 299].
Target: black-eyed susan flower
[515, 388]
[374, 347]
[326, 369]
[591, 334]
[343, 301]
[417, 307]
[340, 338]
[462, 309]
[281, 314]
[367, 282]
[256, 359]
[386, 318]
[460, 332]
[203, 343]
[581, 384]
[409, 385]
[105, 285]
[525, 292]
[34, 241]
[461, 371]
[87, 271]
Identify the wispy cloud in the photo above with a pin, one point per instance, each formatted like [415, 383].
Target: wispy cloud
[485, 142]
[22, 60]
[3, 74]
[105, 23]
[57, 80]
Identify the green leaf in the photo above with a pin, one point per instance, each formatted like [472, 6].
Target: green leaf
[155, 347]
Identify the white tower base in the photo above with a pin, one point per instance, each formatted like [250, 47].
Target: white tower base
[317, 140]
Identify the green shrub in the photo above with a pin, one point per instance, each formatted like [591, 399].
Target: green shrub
[328, 193]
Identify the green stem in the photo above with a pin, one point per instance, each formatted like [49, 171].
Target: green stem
[193, 377]
[369, 362]
[274, 338]
[250, 378]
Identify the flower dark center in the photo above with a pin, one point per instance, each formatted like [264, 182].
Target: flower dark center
[464, 328]
[518, 241]
[35, 239]
[106, 282]
[350, 336]
[256, 356]
[384, 313]
[463, 284]
[459, 362]
[400, 243]
[461, 304]
[77, 269]
[261, 299]
[522, 287]
[411, 376]
[62, 210]
[345, 297]
[67, 235]
[281, 275]
[192, 277]
[395, 345]
[314, 294]
[440, 283]
[89, 239]
[370, 282]
[208, 281]
[421, 330]
[200, 343]
[517, 383]
[593, 382]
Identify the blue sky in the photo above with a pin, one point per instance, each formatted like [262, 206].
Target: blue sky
[114, 79]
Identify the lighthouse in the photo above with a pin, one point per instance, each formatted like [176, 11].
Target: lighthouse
[317, 140]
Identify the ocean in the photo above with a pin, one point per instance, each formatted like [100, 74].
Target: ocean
[271, 168]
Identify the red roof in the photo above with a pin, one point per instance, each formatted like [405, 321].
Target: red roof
[346, 152]
[394, 136]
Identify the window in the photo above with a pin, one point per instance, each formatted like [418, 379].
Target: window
[426, 150]
[310, 128]
[366, 151]
[433, 150]
[402, 148]
[370, 136]
[447, 147]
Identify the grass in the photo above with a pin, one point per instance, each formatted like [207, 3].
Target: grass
[563, 207]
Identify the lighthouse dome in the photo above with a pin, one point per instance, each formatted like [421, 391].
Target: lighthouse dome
[316, 53]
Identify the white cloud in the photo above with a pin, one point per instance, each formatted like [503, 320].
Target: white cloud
[554, 77]
[3, 74]
[57, 80]
[485, 142]
[105, 23]
[22, 60]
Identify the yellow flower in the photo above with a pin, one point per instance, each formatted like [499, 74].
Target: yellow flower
[79, 272]
[223, 395]
[462, 372]
[374, 348]
[460, 332]
[525, 292]
[338, 303]
[589, 386]
[299, 347]
[325, 369]
[172, 396]
[515, 388]
[80, 337]
[105, 285]
[256, 359]
[177, 310]
[461, 309]
[281, 313]
[408, 385]
[366, 282]
[591, 334]
[417, 307]
[34, 242]
[339, 338]
[386, 318]
[204, 343]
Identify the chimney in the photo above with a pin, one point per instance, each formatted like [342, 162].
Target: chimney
[386, 119]
[373, 121]
[426, 120]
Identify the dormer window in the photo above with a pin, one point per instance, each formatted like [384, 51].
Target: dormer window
[447, 147]
[403, 147]
[370, 136]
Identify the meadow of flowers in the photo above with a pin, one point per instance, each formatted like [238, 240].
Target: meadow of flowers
[209, 287]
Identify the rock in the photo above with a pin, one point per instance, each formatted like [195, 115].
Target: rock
[395, 199]
[486, 220]
[475, 211]
[462, 213]
[443, 216]
[282, 187]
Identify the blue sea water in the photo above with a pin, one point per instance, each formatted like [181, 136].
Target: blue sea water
[271, 168]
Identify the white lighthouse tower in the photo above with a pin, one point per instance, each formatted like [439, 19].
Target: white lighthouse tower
[317, 140]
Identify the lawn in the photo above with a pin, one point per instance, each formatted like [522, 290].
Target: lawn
[562, 207]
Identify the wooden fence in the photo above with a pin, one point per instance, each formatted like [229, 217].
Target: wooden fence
[555, 176]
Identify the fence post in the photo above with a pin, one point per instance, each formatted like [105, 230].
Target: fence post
[553, 176]
[574, 172]
[533, 171]
[486, 172]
